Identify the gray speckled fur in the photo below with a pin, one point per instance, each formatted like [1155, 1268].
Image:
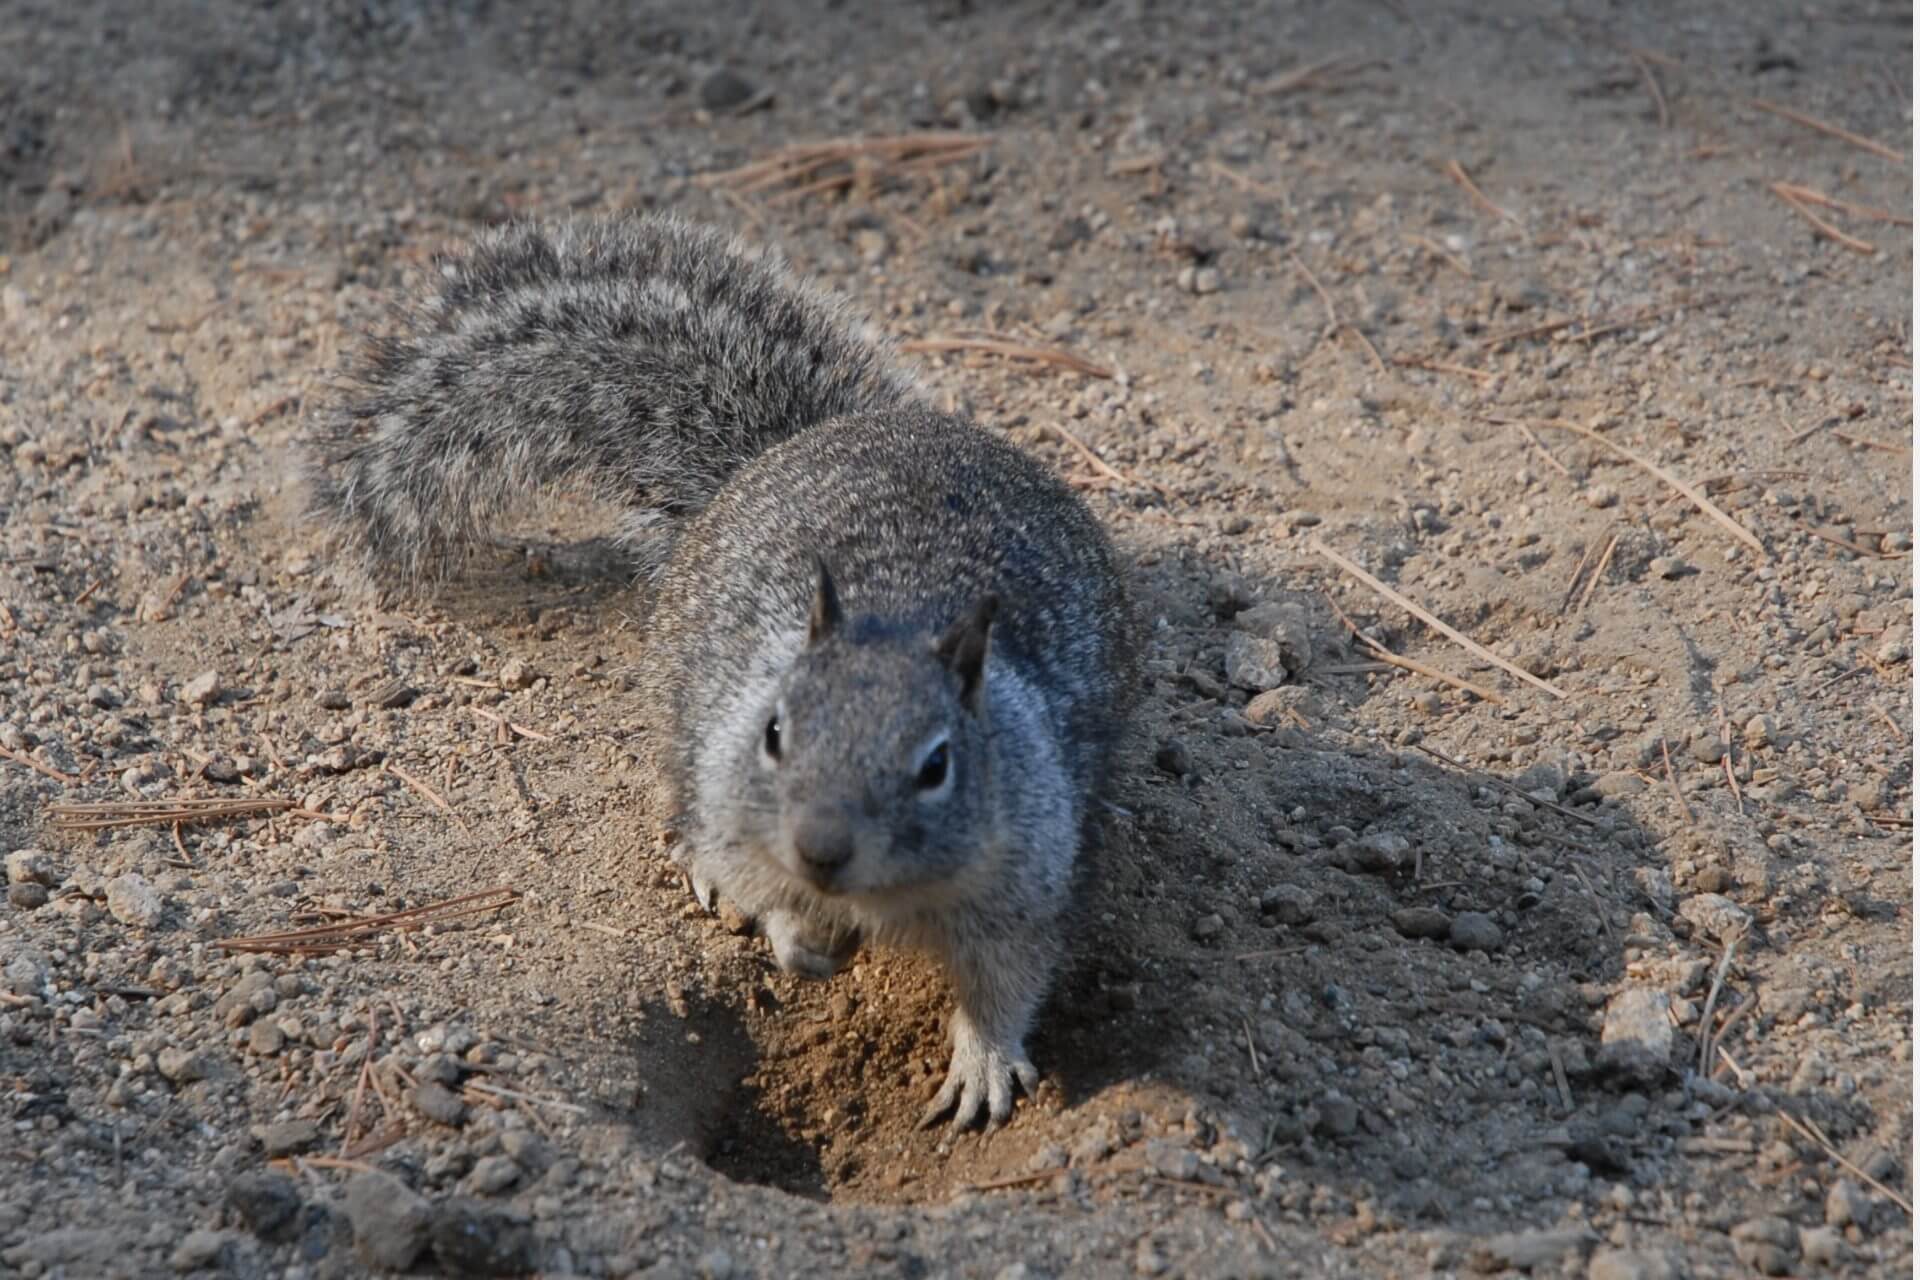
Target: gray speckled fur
[762, 431]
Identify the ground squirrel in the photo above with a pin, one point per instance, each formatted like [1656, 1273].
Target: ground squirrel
[888, 654]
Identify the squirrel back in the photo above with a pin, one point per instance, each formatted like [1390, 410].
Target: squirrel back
[888, 653]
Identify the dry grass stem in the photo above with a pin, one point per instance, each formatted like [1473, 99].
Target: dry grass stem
[1480, 377]
[1305, 77]
[429, 793]
[1559, 1077]
[495, 1090]
[21, 758]
[1807, 1130]
[1573, 584]
[336, 937]
[1546, 454]
[1865, 443]
[510, 726]
[1508, 787]
[1471, 646]
[1831, 130]
[1653, 87]
[812, 167]
[1867, 211]
[1713, 997]
[1692, 494]
[1479, 197]
[1392, 659]
[160, 813]
[1333, 315]
[1012, 351]
[1101, 465]
[1599, 573]
[1674, 783]
[1453, 260]
[1820, 224]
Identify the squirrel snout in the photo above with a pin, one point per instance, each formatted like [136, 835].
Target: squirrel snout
[822, 846]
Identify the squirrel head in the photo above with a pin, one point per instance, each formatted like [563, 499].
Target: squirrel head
[871, 764]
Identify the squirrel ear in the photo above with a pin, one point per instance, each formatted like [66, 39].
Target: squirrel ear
[826, 607]
[964, 646]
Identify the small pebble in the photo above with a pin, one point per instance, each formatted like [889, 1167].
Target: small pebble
[390, 1220]
[724, 89]
[1174, 758]
[27, 897]
[1669, 567]
[197, 1250]
[515, 674]
[288, 1137]
[1759, 732]
[201, 690]
[1422, 922]
[1636, 1037]
[1475, 931]
[133, 901]
[30, 866]
[1209, 926]
[493, 1174]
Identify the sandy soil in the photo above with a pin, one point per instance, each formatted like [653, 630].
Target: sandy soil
[1602, 971]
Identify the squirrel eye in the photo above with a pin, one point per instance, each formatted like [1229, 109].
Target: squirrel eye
[772, 739]
[933, 770]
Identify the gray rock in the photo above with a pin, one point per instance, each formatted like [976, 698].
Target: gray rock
[439, 1104]
[1759, 732]
[30, 866]
[201, 690]
[714, 1264]
[1893, 648]
[1288, 903]
[288, 1137]
[197, 1250]
[1824, 1247]
[723, 89]
[1422, 922]
[1254, 663]
[241, 1002]
[1630, 1264]
[493, 1174]
[1475, 931]
[1636, 1038]
[1848, 1204]
[265, 1039]
[1718, 918]
[266, 1203]
[1209, 926]
[1174, 758]
[1619, 784]
[133, 901]
[1707, 747]
[391, 1221]
[182, 1066]
[469, 1238]
[1339, 1117]
[1526, 1250]
[1381, 852]
[1669, 567]
[27, 897]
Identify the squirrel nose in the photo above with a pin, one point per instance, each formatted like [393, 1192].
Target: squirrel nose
[824, 844]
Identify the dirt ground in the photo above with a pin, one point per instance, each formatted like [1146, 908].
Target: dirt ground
[1604, 971]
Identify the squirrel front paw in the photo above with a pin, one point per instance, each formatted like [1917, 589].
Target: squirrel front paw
[981, 1078]
[807, 953]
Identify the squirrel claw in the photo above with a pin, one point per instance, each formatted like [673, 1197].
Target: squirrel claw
[980, 1083]
[705, 892]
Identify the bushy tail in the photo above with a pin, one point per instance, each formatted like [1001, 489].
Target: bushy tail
[646, 356]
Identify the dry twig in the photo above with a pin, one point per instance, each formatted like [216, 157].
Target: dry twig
[1012, 351]
[1820, 224]
[429, 793]
[336, 937]
[1674, 782]
[1693, 494]
[1599, 573]
[1471, 646]
[1831, 130]
[20, 757]
[1478, 196]
[1392, 659]
[1807, 1130]
[161, 813]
